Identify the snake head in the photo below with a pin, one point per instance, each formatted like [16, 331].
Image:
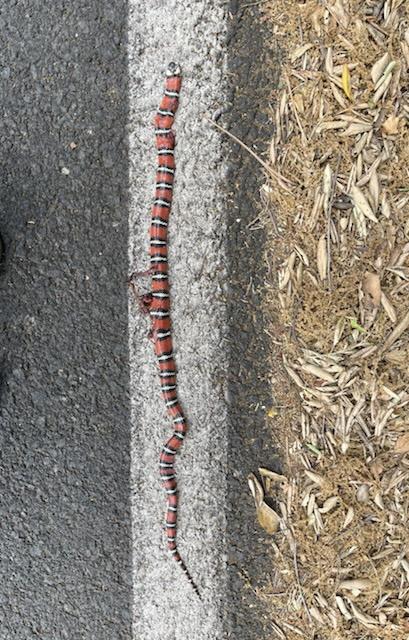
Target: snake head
[173, 70]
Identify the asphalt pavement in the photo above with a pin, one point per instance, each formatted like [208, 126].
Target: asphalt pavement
[65, 521]
[82, 421]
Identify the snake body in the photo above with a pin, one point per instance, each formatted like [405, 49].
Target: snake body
[157, 302]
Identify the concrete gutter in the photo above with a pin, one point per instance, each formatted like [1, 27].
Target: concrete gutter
[190, 33]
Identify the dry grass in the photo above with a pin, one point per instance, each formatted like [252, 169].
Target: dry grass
[338, 190]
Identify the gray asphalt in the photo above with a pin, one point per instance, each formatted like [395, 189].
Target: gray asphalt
[82, 421]
[65, 523]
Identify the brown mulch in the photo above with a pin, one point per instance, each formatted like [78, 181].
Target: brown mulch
[336, 212]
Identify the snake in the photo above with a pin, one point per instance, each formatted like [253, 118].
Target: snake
[157, 303]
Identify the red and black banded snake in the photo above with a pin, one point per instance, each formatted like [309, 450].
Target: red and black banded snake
[157, 302]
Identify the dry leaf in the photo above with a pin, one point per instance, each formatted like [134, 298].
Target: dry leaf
[400, 328]
[338, 11]
[300, 51]
[346, 81]
[329, 504]
[398, 357]
[402, 444]
[330, 125]
[386, 74]
[256, 489]
[360, 584]
[319, 372]
[362, 203]
[329, 65]
[267, 517]
[391, 125]
[315, 613]
[379, 67]
[374, 190]
[355, 128]
[372, 286]
[270, 478]
[315, 477]
[348, 518]
[383, 87]
[368, 621]
[385, 207]
[299, 102]
[388, 307]
[322, 257]
[360, 222]
[362, 494]
[339, 330]
[316, 17]
[272, 412]
[342, 607]
[327, 185]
